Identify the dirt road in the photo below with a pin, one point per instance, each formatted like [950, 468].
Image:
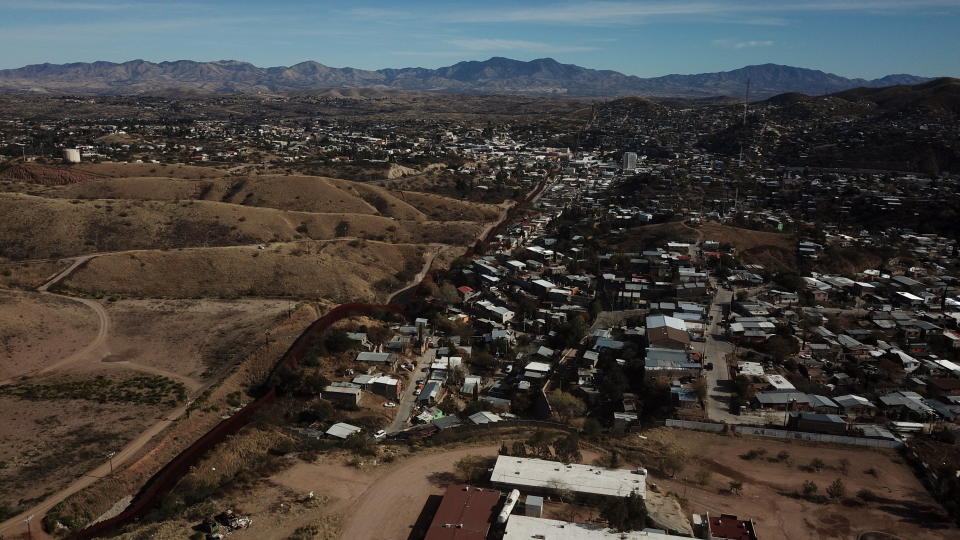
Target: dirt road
[15, 524]
[390, 506]
[95, 350]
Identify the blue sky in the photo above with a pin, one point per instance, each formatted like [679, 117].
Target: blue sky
[857, 38]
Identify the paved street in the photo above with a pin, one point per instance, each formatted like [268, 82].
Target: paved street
[718, 381]
[408, 400]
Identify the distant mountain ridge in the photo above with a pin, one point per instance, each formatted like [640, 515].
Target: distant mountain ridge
[498, 75]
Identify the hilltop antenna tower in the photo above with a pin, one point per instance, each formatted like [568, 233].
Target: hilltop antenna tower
[746, 100]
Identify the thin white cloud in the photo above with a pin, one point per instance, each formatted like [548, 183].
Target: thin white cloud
[111, 29]
[744, 11]
[67, 5]
[733, 44]
[488, 44]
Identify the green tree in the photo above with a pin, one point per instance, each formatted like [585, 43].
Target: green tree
[567, 449]
[472, 469]
[540, 443]
[809, 489]
[625, 513]
[566, 405]
[591, 428]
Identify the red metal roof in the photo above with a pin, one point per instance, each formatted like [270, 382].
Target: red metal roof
[466, 513]
[729, 527]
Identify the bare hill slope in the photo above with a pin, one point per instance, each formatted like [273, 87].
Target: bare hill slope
[299, 193]
[88, 226]
[340, 271]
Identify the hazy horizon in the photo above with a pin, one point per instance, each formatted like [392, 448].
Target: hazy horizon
[852, 38]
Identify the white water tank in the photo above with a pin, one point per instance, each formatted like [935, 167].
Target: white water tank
[71, 155]
[508, 505]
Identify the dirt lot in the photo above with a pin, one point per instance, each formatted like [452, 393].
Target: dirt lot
[775, 251]
[902, 506]
[164, 333]
[36, 330]
[363, 497]
[46, 444]
[744, 239]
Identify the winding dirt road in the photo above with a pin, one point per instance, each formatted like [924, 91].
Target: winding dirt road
[95, 351]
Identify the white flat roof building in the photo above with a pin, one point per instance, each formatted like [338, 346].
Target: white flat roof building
[543, 475]
[540, 367]
[342, 430]
[750, 369]
[525, 527]
[779, 382]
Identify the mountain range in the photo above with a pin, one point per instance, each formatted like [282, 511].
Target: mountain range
[541, 77]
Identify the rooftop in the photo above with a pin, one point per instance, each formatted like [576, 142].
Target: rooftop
[578, 478]
[465, 513]
[525, 528]
[728, 527]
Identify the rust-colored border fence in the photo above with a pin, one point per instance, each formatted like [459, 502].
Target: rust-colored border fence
[168, 476]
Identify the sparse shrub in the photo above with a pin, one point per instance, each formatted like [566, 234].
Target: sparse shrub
[836, 489]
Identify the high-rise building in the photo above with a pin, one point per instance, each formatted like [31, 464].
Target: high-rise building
[629, 161]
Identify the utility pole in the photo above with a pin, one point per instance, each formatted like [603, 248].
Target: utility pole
[110, 458]
[27, 521]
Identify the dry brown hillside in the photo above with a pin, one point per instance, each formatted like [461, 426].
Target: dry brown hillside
[124, 170]
[87, 226]
[339, 270]
[445, 208]
[299, 193]
[774, 251]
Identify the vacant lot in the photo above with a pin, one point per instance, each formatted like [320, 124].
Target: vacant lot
[49, 442]
[193, 338]
[744, 239]
[771, 486]
[654, 236]
[36, 330]
[775, 251]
